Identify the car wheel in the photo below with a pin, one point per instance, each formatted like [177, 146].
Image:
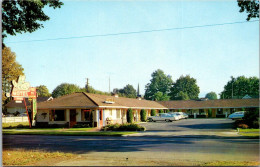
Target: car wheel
[150, 120]
[167, 120]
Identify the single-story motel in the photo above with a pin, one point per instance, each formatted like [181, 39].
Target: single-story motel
[100, 110]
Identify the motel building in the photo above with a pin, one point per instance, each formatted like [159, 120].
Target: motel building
[100, 110]
[93, 109]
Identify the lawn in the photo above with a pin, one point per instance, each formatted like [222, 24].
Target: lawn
[62, 132]
[14, 158]
[249, 132]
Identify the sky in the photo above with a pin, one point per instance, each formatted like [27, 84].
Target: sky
[211, 55]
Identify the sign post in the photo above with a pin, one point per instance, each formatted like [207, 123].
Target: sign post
[22, 90]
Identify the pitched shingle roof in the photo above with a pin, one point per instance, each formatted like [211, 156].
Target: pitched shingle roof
[124, 102]
[12, 103]
[75, 100]
[221, 103]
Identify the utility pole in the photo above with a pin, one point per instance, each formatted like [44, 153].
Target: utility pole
[232, 90]
[109, 84]
[87, 87]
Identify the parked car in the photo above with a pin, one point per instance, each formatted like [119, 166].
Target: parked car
[184, 115]
[176, 114]
[237, 115]
[162, 117]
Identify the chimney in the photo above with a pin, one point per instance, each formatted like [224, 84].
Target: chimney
[115, 95]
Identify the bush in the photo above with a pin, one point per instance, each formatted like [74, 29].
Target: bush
[161, 111]
[167, 110]
[130, 116]
[153, 112]
[210, 113]
[81, 126]
[123, 127]
[251, 118]
[243, 126]
[143, 115]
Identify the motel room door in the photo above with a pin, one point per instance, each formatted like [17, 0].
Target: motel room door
[72, 117]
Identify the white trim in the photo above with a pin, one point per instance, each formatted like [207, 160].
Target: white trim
[211, 107]
[130, 107]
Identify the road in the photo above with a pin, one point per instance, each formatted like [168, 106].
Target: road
[148, 149]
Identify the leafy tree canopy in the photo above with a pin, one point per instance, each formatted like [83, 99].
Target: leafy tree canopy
[11, 70]
[65, 88]
[241, 86]
[249, 6]
[24, 15]
[211, 95]
[185, 88]
[42, 91]
[159, 96]
[128, 91]
[159, 83]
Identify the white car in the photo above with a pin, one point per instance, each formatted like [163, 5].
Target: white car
[184, 115]
[162, 117]
[237, 115]
[176, 114]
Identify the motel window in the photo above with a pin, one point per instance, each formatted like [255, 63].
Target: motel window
[220, 111]
[201, 111]
[86, 115]
[57, 115]
[118, 114]
[189, 111]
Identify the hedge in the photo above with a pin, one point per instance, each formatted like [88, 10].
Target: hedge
[143, 115]
[130, 116]
[153, 112]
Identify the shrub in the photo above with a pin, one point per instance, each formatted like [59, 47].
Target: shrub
[179, 110]
[161, 111]
[123, 127]
[143, 115]
[251, 118]
[243, 126]
[209, 113]
[153, 112]
[81, 126]
[130, 116]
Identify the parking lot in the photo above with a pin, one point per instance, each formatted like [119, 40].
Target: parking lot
[191, 127]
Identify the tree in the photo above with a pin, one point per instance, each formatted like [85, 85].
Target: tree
[185, 88]
[153, 112]
[128, 91]
[64, 89]
[161, 111]
[159, 96]
[11, 69]
[130, 116]
[249, 6]
[42, 91]
[211, 96]
[241, 86]
[159, 83]
[24, 15]
[143, 115]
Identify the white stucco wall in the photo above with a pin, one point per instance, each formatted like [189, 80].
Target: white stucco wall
[78, 116]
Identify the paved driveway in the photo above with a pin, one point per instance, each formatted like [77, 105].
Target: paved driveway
[191, 128]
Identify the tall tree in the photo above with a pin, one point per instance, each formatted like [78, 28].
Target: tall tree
[42, 91]
[159, 96]
[128, 91]
[211, 95]
[64, 89]
[159, 83]
[185, 85]
[11, 69]
[249, 6]
[241, 86]
[24, 15]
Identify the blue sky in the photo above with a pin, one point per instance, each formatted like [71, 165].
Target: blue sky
[209, 54]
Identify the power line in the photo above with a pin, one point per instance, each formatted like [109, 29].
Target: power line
[135, 32]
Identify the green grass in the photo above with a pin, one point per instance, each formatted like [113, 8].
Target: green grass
[232, 163]
[65, 132]
[253, 133]
[14, 124]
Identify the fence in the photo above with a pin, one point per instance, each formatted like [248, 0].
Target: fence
[14, 119]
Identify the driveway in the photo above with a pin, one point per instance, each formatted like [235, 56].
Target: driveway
[206, 128]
